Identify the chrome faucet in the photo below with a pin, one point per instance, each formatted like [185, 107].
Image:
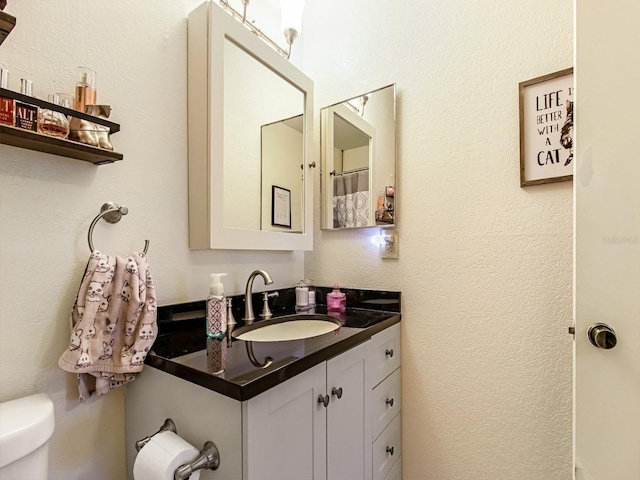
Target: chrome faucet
[248, 301]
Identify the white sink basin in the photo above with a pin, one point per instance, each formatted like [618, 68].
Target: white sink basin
[291, 327]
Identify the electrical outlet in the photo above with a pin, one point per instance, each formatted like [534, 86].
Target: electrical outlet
[389, 246]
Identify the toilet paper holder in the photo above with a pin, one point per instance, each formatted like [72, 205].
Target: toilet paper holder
[208, 458]
[168, 425]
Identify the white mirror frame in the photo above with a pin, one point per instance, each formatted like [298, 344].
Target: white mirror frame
[209, 26]
[327, 129]
[327, 119]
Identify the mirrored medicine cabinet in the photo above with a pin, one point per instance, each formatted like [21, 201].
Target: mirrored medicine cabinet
[250, 133]
[358, 151]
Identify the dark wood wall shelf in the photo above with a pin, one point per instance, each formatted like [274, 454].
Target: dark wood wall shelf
[57, 146]
[44, 143]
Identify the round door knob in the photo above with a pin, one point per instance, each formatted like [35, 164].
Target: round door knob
[602, 335]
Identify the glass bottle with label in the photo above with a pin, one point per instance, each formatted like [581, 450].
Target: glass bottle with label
[51, 122]
[26, 115]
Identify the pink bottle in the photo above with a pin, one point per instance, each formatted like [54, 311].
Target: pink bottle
[336, 300]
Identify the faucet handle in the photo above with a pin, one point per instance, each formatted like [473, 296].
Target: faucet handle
[266, 311]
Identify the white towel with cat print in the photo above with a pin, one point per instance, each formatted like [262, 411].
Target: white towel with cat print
[113, 323]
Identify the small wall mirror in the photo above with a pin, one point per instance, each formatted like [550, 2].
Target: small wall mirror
[250, 124]
[358, 150]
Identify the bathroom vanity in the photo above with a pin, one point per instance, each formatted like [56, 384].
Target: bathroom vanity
[326, 407]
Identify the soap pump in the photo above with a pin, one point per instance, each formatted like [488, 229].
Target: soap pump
[216, 308]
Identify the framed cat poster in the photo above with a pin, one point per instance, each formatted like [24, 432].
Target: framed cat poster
[546, 128]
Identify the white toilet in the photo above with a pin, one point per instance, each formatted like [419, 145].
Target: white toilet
[26, 424]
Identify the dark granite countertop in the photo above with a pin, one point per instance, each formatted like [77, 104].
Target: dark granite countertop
[183, 349]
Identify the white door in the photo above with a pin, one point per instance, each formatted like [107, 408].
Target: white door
[607, 239]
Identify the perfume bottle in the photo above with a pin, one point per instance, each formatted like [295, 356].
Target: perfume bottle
[86, 93]
[51, 122]
[336, 300]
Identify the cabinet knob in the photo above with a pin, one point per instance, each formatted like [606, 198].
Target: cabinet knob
[390, 450]
[390, 402]
[389, 352]
[324, 400]
[337, 392]
[312, 165]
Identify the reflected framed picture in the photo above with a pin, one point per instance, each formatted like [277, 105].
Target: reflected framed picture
[546, 128]
[280, 207]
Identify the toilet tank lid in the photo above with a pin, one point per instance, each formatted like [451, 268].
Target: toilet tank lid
[25, 424]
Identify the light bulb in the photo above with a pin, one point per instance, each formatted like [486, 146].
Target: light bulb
[380, 238]
[292, 19]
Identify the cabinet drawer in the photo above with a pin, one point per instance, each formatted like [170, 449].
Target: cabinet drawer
[384, 354]
[387, 448]
[386, 402]
[396, 471]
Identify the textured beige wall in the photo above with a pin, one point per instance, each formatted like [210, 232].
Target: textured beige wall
[485, 266]
[47, 203]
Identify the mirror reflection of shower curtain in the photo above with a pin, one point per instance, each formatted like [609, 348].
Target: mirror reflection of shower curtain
[351, 199]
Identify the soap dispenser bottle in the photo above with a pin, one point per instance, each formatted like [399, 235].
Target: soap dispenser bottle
[216, 308]
[336, 300]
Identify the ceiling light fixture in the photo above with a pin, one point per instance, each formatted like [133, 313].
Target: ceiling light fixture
[291, 22]
[363, 101]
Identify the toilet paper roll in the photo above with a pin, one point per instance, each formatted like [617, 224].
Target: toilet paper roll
[159, 458]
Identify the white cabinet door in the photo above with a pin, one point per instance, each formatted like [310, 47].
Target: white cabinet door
[285, 430]
[348, 428]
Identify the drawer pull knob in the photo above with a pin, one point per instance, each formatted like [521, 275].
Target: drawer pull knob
[324, 400]
[337, 392]
[390, 402]
[389, 352]
[390, 450]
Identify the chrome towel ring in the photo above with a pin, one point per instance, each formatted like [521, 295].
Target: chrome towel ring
[112, 213]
